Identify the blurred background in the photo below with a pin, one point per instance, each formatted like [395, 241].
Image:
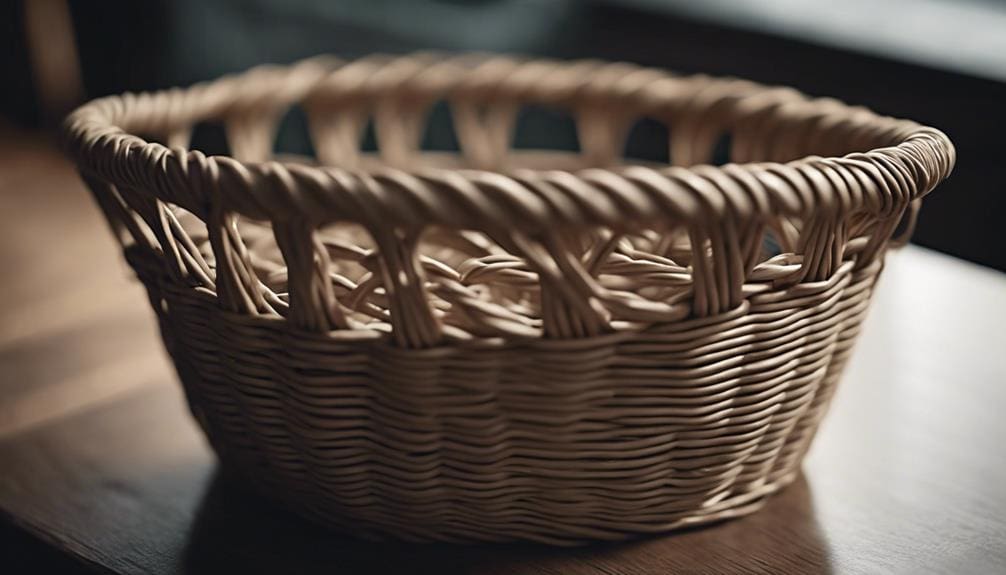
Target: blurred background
[939, 62]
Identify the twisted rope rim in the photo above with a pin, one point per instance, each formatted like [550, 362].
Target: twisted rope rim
[903, 160]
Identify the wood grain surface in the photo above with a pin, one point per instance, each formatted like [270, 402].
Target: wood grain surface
[101, 463]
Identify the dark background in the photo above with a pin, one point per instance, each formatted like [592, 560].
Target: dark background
[940, 74]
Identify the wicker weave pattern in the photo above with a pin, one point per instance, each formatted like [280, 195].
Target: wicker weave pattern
[496, 351]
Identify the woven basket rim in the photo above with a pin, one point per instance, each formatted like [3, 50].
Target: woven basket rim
[906, 162]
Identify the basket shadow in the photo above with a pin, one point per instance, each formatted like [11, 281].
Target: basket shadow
[238, 531]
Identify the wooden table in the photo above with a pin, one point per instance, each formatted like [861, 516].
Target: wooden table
[102, 467]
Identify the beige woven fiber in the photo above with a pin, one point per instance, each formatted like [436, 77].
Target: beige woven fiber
[507, 344]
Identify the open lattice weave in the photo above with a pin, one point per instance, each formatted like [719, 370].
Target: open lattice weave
[503, 344]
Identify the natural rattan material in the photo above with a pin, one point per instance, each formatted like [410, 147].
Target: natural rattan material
[521, 346]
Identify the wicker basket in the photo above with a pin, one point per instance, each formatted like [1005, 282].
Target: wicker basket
[502, 344]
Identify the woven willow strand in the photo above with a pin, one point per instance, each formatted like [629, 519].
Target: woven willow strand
[516, 345]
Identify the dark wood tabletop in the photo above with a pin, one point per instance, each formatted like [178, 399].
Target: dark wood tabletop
[102, 468]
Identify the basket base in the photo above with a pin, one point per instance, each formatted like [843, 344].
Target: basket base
[582, 533]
